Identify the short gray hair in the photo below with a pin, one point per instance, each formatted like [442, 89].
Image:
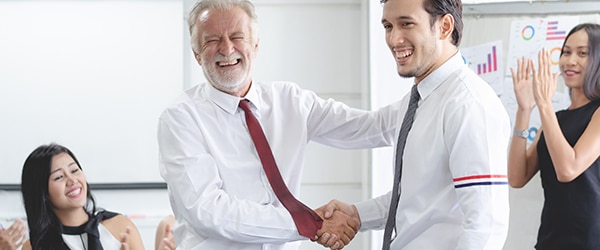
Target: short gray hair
[203, 5]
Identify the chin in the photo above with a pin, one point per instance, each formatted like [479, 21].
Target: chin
[406, 74]
[230, 88]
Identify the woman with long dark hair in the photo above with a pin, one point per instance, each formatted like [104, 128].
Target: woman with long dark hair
[566, 149]
[61, 211]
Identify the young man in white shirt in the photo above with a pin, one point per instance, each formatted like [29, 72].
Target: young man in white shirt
[453, 193]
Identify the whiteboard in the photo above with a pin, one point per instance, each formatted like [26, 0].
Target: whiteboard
[91, 75]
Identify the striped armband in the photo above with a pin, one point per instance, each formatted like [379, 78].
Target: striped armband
[480, 180]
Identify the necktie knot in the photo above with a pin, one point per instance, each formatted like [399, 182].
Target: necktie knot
[414, 94]
[244, 105]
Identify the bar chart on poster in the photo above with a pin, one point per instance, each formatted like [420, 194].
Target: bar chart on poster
[516, 38]
[93, 76]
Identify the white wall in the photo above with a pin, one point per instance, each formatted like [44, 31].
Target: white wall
[90, 75]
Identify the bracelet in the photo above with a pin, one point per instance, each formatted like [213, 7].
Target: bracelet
[521, 133]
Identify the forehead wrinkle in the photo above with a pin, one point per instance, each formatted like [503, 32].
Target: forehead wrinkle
[229, 18]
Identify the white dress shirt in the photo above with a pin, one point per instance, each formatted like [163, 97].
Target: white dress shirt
[218, 190]
[454, 191]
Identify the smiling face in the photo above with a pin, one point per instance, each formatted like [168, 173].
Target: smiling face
[414, 43]
[67, 184]
[227, 49]
[574, 58]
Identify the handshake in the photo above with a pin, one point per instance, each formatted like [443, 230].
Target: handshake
[340, 224]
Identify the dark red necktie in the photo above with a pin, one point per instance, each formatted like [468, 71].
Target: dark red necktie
[307, 221]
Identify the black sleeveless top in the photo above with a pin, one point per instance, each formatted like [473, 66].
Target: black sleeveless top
[571, 213]
[88, 231]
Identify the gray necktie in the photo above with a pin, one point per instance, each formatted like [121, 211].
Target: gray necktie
[409, 117]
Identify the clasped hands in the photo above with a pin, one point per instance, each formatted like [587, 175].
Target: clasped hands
[340, 224]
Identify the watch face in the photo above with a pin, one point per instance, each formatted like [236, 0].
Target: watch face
[523, 133]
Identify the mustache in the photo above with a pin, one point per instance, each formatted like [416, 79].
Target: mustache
[235, 56]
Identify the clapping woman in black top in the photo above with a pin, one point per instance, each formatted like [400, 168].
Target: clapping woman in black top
[566, 149]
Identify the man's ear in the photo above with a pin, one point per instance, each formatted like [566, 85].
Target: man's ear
[198, 58]
[446, 26]
[256, 46]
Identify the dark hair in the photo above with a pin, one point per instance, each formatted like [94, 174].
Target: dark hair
[438, 8]
[44, 226]
[591, 79]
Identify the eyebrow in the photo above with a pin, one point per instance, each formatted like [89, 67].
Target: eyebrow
[70, 164]
[210, 36]
[576, 47]
[384, 20]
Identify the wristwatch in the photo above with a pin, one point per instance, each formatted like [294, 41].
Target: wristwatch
[521, 133]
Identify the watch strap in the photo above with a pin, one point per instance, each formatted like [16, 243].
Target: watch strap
[521, 133]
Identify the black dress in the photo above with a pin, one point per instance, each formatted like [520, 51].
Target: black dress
[571, 213]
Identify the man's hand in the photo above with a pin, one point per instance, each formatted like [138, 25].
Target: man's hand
[327, 210]
[340, 225]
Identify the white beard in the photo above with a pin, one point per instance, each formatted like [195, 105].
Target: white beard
[227, 81]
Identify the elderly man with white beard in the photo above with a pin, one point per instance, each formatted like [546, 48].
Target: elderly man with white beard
[230, 189]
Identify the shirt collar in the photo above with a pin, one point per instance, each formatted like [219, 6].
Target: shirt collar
[228, 102]
[438, 76]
